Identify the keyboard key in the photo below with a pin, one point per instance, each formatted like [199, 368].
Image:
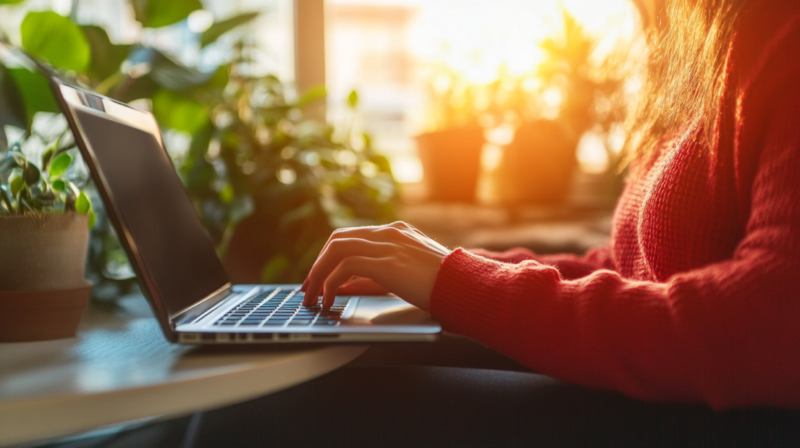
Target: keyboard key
[300, 322]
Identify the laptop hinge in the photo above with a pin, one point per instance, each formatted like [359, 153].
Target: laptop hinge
[192, 312]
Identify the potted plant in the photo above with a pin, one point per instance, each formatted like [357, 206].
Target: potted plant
[44, 232]
[272, 185]
[584, 95]
[450, 149]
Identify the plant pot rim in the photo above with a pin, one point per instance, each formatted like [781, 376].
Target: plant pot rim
[45, 215]
[24, 293]
[42, 219]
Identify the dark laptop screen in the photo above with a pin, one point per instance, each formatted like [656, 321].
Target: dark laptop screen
[153, 204]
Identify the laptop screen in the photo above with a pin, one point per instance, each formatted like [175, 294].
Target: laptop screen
[150, 200]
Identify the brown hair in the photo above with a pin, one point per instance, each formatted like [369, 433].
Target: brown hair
[685, 72]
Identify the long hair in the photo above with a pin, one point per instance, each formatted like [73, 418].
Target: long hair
[684, 74]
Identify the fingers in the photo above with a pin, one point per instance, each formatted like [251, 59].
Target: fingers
[377, 242]
[386, 233]
[334, 254]
[357, 265]
[366, 233]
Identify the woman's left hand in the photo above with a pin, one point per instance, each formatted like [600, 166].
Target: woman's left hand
[397, 257]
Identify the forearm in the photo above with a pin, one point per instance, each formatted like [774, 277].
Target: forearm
[698, 337]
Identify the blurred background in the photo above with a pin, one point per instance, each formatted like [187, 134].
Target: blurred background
[492, 124]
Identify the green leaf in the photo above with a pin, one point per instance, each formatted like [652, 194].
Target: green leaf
[92, 218]
[352, 99]
[218, 82]
[158, 13]
[11, 2]
[59, 185]
[83, 205]
[311, 95]
[168, 73]
[59, 165]
[26, 202]
[216, 30]
[31, 175]
[35, 93]
[227, 194]
[8, 163]
[12, 107]
[107, 58]
[16, 185]
[13, 159]
[5, 196]
[178, 112]
[47, 156]
[56, 39]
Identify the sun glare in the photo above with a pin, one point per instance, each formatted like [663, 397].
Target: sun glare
[477, 38]
[398, 53]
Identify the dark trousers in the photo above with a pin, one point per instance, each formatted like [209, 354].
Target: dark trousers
[458, 393]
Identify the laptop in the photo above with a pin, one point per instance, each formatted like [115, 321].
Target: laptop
[176, 264]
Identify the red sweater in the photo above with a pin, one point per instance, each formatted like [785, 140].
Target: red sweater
[697, 296]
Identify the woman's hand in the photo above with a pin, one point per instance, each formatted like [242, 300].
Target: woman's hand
[397, 257]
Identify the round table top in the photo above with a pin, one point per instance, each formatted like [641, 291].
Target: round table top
[121, 368]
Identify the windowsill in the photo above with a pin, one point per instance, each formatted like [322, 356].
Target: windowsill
[583, 221]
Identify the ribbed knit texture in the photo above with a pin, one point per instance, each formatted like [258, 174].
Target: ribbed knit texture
[697, 296]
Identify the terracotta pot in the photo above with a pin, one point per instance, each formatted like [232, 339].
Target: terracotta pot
[451, 162]
[42, 288]
[539, 163]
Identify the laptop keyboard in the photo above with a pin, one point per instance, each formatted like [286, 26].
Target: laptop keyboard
[276, 307]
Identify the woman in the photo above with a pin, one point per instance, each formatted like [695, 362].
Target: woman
[696, 298]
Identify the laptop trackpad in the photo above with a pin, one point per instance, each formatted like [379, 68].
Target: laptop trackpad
[387, 311]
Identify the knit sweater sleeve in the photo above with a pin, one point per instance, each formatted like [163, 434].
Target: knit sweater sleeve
[727, 334]
[570, 266]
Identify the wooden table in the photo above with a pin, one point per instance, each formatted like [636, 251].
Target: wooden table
[120, 368]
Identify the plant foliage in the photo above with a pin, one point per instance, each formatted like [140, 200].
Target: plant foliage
[28, 188]
[253, 161]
